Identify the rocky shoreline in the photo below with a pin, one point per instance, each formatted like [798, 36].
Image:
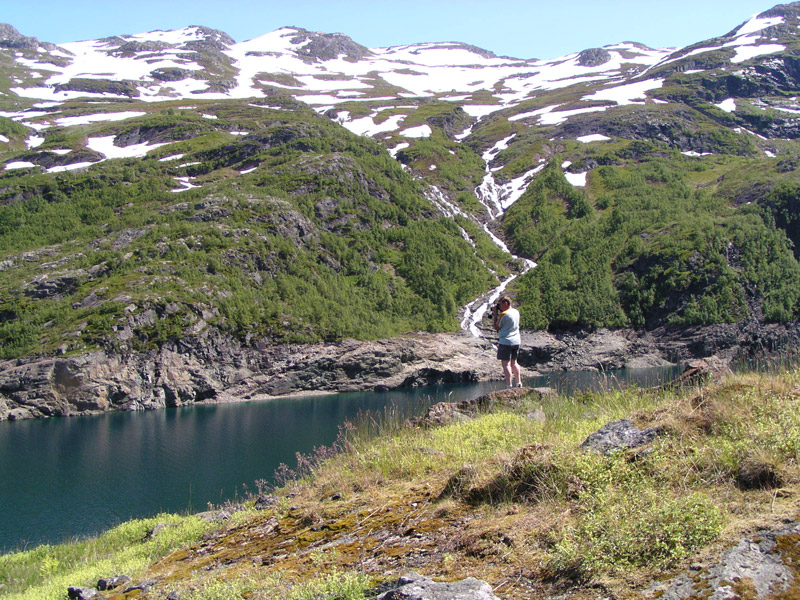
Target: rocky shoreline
[213, 367]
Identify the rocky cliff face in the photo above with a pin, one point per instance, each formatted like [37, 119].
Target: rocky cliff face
[217, 368]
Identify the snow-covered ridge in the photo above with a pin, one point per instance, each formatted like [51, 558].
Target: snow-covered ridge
[748, 41]
[281, 59]
[326, 70]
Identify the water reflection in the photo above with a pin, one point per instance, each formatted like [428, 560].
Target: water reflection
[63, 478]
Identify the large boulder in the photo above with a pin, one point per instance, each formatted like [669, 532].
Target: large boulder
[619, 435]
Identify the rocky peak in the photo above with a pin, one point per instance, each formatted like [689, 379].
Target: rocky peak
[327, 46]
[212, 38]
[593, 57]
[474, 49]
[790, 15]
[203, 38]
[791, 10]
[128, 49]
[11, 38]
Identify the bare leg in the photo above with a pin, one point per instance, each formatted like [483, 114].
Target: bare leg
[517, 376]
[507, 372]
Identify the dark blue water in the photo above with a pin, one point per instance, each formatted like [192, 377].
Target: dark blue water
[67, 478]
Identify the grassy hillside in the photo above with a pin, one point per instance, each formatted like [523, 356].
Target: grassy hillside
[508, 497]
[654, 239]
[293, 230]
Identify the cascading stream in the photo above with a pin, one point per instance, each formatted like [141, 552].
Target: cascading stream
[496, 199]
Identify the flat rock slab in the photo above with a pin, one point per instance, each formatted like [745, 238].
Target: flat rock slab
[443, 413]
[764, 565]
[415, 587]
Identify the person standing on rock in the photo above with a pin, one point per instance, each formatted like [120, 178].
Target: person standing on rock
[506, 323]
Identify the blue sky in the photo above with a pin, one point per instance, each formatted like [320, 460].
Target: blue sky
[520, 28]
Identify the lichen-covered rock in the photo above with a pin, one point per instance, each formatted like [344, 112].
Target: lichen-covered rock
[763, 565]
[79, 593]
[619, 435]
[593, 57]
[416, 587]
[443, 413]
[109, 583]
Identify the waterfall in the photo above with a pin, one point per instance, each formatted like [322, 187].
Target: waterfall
[497, 199]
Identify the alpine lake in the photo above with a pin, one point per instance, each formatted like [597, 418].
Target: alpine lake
[67, 478]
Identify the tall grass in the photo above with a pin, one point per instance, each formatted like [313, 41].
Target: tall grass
[48, 570]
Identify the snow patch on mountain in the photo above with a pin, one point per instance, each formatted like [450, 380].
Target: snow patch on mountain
[757, 23]
[178, 36]
[402, 146]
[72, 167]
[744, 53]
[558, 117]
[367, 125]
[185, 183]
[576, 179]
[92, 60]
[728, 105]
[105, 146]
[420, 131]
[481, 110]
[594, 137]
[630, 93]
[277, 60]
[18, 164]
[98, 118]
[745, 42]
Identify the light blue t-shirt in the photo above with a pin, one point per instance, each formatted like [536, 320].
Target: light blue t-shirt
[508, 334]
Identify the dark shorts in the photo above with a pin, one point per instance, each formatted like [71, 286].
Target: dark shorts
[507, 352]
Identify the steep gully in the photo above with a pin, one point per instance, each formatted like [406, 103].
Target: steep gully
[496, 199]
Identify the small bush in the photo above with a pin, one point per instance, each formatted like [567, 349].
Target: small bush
[642, 529]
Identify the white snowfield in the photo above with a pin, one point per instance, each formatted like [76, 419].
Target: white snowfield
[415, 73]
[447, 70]
[631, 93]
[98, 118]
[277, 59]
[745, 42]
[105, 146]
[594, 137]
[728, 105]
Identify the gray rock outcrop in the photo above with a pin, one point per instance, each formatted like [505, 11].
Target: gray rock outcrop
[593, 57]
[415, 587]
[212, 367]
[11, 38]
[328, 46]
[109, 583]
[79, 593]
[443, 413]
[763, 565]
[619, 435]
